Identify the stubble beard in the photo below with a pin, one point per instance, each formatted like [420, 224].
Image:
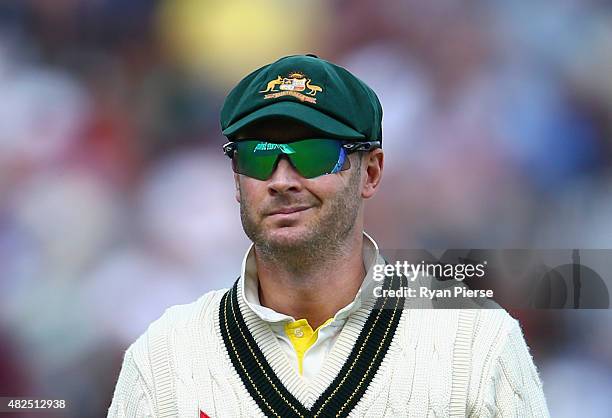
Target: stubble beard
[323, 241]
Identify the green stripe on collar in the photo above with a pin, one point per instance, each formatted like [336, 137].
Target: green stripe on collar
[348, 387]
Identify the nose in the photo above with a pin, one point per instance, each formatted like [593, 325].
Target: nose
[285, 178]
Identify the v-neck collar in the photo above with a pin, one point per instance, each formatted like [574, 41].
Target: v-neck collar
[345, 375]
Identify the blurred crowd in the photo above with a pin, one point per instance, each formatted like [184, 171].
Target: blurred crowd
[117, 202]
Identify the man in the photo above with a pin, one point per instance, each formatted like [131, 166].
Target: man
[300, 333]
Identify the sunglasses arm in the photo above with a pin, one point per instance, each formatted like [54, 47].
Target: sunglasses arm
[229, 148]
[360, 146]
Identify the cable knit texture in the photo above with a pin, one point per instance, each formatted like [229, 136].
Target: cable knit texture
[441, 363]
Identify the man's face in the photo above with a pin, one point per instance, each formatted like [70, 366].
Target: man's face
[287, 212]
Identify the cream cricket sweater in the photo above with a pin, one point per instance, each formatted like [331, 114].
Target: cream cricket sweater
[436, 363]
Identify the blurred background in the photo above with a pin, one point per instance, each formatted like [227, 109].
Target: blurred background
[117, 202]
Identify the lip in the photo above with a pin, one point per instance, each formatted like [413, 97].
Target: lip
[287, 211]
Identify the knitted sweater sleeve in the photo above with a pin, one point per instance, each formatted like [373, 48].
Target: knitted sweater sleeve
[512, 387]
[132, 397]
[139, 391]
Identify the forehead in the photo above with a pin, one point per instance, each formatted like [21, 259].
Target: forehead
[277, 129]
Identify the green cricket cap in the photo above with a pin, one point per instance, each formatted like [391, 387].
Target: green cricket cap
[307, 89]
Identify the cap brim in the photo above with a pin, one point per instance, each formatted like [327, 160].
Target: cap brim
[298, 112]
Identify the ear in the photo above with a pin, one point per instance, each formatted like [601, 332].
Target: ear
[373, 163]
[237, 186]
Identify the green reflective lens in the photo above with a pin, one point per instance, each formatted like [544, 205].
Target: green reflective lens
[252, 161]
[310, 157]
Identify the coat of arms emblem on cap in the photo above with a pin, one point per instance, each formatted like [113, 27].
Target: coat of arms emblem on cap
[292, 85]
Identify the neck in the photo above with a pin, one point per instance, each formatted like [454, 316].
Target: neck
[315, 288]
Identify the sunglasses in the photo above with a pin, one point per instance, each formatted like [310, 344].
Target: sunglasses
[311, 158]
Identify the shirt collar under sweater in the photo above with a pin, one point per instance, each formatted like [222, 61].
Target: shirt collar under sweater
[250, 284]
